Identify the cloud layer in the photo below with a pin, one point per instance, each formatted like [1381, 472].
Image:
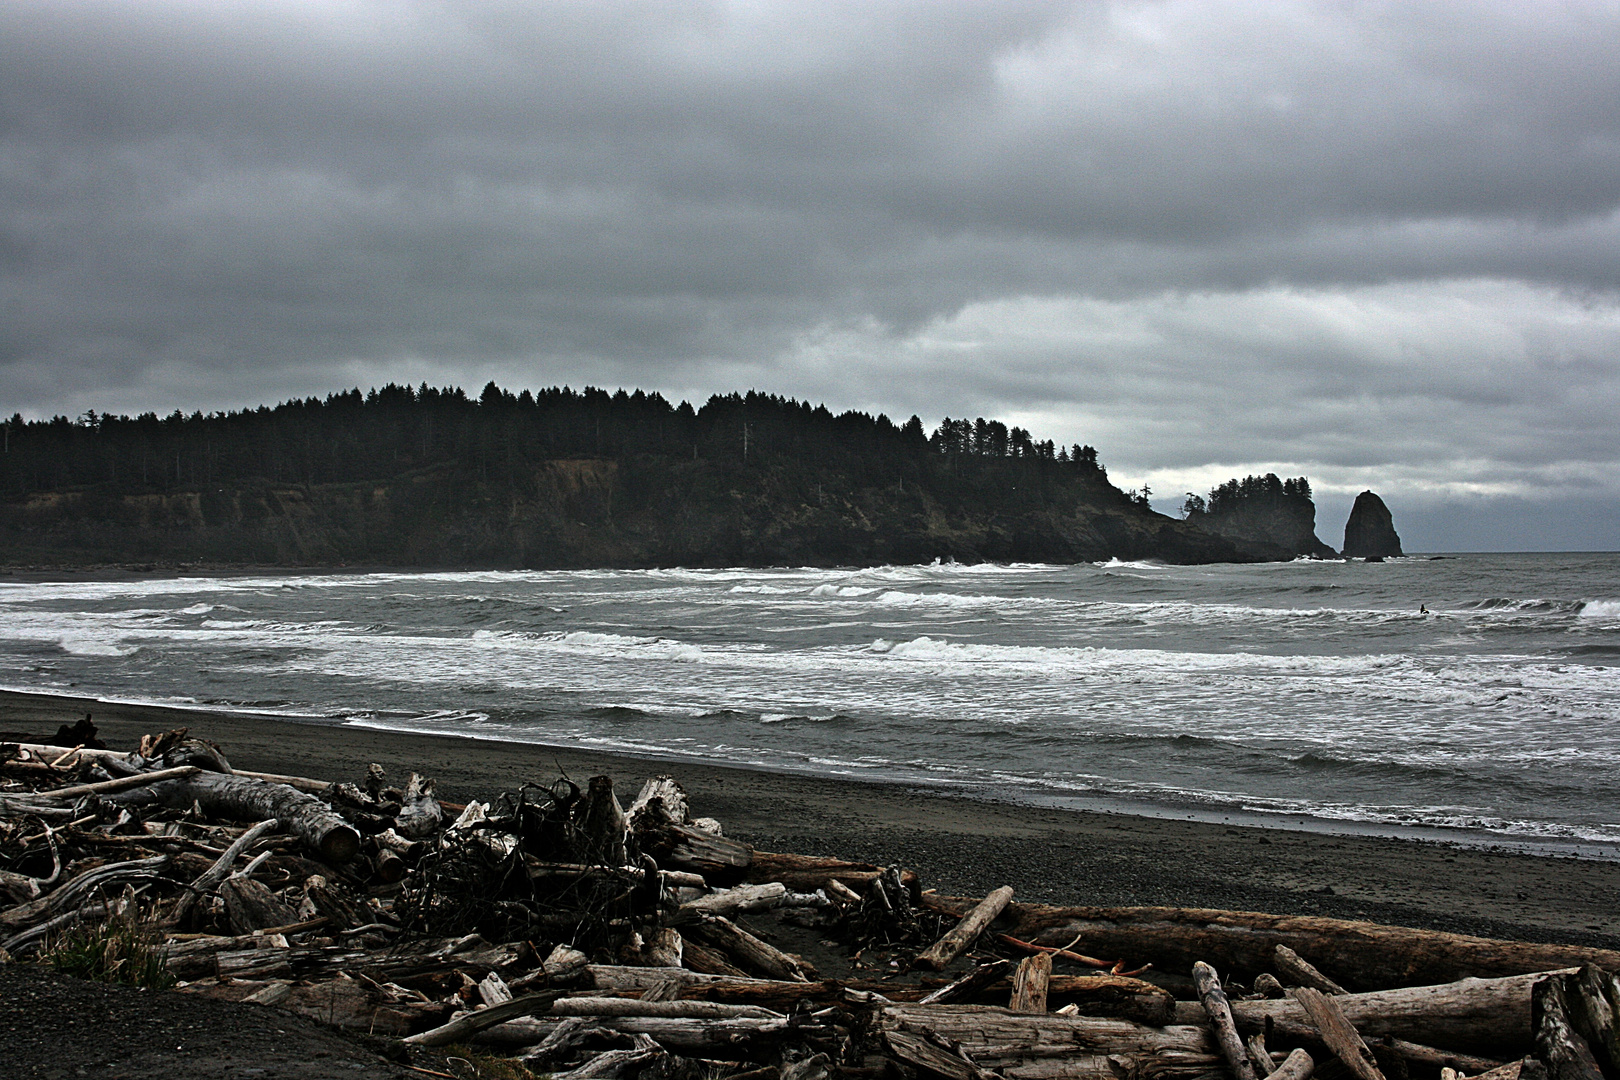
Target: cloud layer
[1377, 244]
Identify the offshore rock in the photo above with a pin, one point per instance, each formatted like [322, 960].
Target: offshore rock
[1370, 532]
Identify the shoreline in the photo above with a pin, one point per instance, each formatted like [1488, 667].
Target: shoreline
[960, 845]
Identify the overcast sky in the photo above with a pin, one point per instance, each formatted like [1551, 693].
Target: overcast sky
[1377, 244]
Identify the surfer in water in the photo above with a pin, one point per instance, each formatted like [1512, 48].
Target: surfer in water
[1423, 609]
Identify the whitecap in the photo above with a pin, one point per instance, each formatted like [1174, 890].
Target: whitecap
[83, 646]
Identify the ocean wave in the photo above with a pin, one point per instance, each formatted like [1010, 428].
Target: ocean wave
[1130, 564]
[85, 646]
[1600, 609]
[1530, 605]
[845, 591]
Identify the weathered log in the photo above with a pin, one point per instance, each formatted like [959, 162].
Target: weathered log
[661, 801]
[936, 1056]
[419, 812]
[967, 986]
[1266, 985]
[704, 960]
[1362, 954]
[1565, 1053]
[1337, 1032]
[1303, 973]
[122, 783]
[1031, 1046]
[807, 873]
[734, 901]
[625, 1006]
[564, 1041]
[219, 871]
[1592, 997]
[250, 906]
[712, 1036]
[79, 887]
[683, 847]
[462, 1027]
[957, 940]
[1298, 1065]
[1479, 1015]
[642, 1056]
[1219, 1011]
[748, 951]
[1029, 984]
[664, 948]
[601, 824]
[244, 799]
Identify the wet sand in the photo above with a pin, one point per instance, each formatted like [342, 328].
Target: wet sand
[959, 846]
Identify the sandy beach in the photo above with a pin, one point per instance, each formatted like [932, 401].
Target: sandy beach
[959, 846]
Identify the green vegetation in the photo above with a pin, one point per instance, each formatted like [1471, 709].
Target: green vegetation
[123, 950]
[560, 478]
[1235, 495]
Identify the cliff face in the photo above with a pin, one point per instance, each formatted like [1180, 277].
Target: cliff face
[1270, 529]
[1370, 531]
[609, 513]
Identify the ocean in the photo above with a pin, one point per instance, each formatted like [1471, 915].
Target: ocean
[1471, 697]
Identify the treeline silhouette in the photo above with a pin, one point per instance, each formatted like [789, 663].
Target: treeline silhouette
[561, 478]
[1229, 497]
[352, 437]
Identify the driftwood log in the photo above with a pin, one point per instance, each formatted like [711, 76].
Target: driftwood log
[1302, 972]
[1338, 1034]
[1361, 954]
[1472, 1015]
[1219, 1011]
[243, 798]
[1031, 1046]
[964, 933]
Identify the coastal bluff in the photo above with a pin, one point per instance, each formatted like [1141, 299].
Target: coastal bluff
[559, 479]
[1370, 531]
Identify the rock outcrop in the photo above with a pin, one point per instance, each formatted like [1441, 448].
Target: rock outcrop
[1370, 532]
[1265, 517]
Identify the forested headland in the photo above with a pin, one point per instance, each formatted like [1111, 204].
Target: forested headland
[1265, 516]
[561, 478]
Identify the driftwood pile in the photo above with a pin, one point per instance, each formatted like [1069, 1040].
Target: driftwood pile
[588, 940]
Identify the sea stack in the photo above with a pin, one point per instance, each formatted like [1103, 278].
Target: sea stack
[1370, 532]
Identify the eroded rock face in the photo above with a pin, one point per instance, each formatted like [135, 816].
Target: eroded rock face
[1370, 532]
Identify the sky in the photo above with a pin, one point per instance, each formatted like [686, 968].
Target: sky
[1375, 244]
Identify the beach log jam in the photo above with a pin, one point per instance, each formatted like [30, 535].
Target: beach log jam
[590, 941]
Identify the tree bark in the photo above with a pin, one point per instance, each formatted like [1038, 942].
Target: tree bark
[938, 955]
[1029, 985]
[1566, 1054]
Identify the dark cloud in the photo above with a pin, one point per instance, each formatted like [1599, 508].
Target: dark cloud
[1374, 243]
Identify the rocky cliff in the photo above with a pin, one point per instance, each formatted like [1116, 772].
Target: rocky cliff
[611, 513]
[1370, 531]
[1263, 516]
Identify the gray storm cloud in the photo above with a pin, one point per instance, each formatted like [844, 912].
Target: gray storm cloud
[1379, 244]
